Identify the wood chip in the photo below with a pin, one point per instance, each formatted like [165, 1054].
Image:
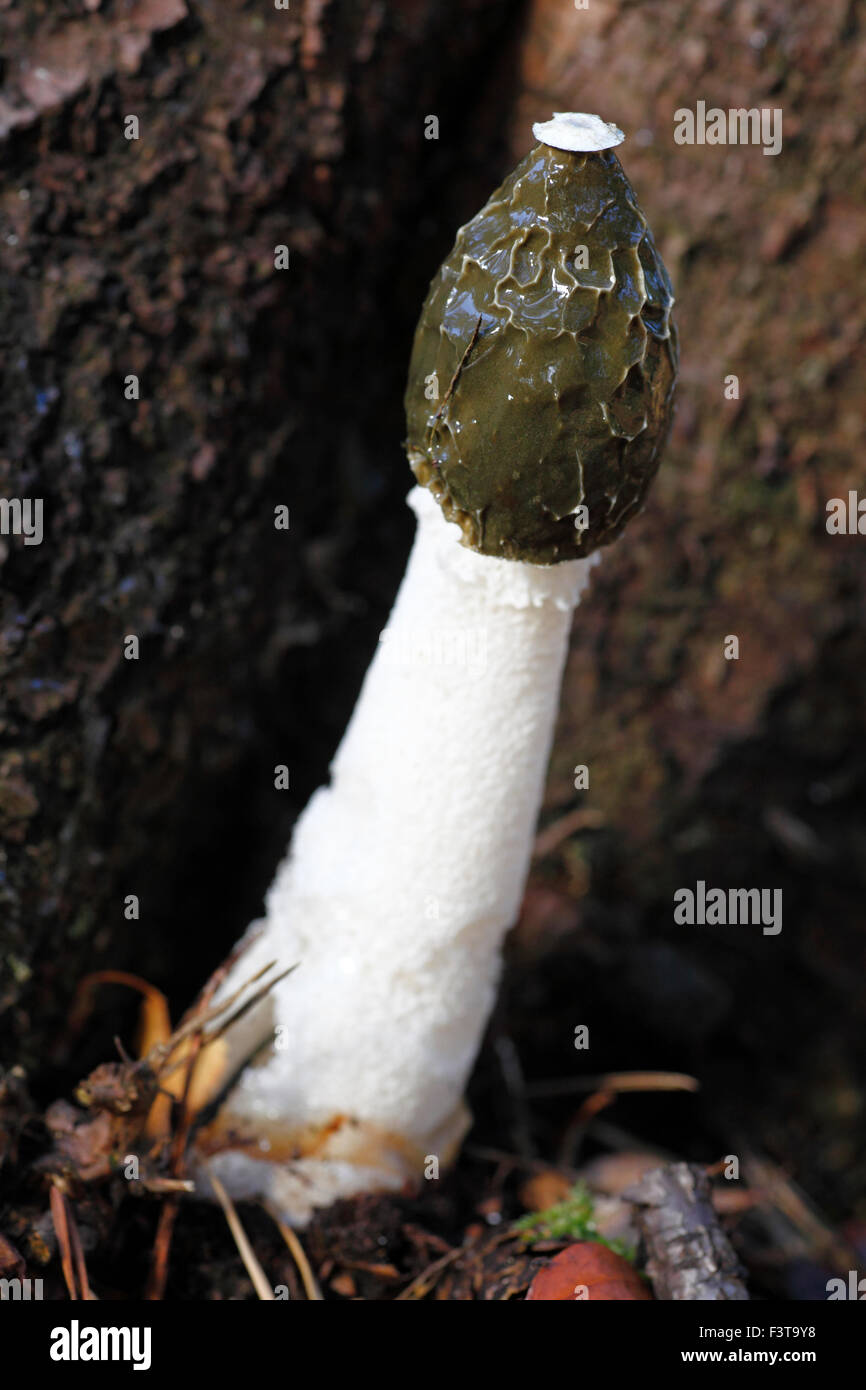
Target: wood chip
[690, 1257]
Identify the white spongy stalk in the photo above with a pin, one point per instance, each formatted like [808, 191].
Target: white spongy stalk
[405, 873]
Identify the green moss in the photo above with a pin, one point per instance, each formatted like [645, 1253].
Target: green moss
[571, 1219]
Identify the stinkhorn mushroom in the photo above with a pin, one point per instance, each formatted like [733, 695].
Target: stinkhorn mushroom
[539, 395]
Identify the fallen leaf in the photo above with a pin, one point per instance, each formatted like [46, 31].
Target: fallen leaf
[588, 1272]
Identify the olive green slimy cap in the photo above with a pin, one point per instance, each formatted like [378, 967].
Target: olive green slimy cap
[542, 374]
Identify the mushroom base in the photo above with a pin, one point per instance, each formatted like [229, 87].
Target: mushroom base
[298, 1170]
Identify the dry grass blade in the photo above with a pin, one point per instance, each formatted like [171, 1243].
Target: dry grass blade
[158, 1057]
[615, 1082]
[251, 1002]
[245, 1250]
[166, 1187]
[299, 1255]
[221, 974]
[194, 1021]
[552, 836]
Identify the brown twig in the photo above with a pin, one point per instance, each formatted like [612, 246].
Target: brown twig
[158, 1276]
[78, 1254]
[58, 1216]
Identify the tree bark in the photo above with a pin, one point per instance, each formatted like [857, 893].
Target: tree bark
[155, 257]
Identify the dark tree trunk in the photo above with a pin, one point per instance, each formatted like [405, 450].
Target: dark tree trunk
[259, 387]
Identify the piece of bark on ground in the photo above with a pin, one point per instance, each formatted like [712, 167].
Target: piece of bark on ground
[690, 1257]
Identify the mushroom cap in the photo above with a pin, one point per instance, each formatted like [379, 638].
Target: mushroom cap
[542, 376]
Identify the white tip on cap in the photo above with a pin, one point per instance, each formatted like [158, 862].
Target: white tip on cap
[578, 131]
